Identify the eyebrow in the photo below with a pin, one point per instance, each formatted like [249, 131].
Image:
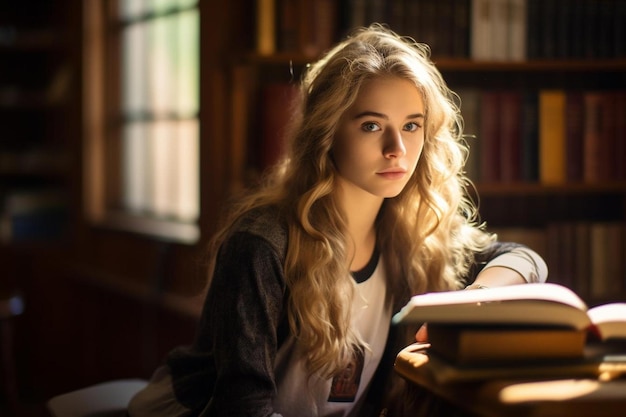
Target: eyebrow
[383, 116]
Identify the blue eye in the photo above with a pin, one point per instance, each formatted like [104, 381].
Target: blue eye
[411, 127]
[370, 127]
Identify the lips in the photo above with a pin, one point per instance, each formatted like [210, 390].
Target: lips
[395, 170]
[392, 173]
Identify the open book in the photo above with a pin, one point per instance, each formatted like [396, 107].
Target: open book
[529, 305]
[532, 322]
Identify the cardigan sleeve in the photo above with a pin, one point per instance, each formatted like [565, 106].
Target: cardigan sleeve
[518, 257]
[244, 311]
[525, 261]
[230, 368]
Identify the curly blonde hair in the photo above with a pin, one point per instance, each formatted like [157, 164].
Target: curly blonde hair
[426, 235]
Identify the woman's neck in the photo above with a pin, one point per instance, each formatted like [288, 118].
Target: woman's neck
[361, 247]
[361, 221]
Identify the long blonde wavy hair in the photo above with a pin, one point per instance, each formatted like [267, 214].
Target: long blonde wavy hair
[426, 235]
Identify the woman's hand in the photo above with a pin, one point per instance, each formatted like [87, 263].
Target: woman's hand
[422, 334]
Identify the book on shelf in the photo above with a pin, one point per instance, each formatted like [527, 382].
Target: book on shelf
[619, 34]
[482, 30]
[33, 215]
[300, 26]
[318, 26]
[535, 238]
[460, 35]
[530, 136]
[288, 22]
[490, 139]
[574, 128]
[276, 104]
[563, 253]
[431, 13]
[550, 21]
[598, 137]
[266, 26]
[525, 314]
[607, 248]
[240, 125]
[582, 260]
[586, 256]
[498, 30]
[535, 36]
[552, 136]
[470, 111]
[357, 13]
[574, 29]
[510, 112]
[620, 134]
[517, 30]
[547, 136]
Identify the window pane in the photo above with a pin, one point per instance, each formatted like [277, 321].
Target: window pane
[132, 9]
[188, 65]
[134, 69]
[162, 59]
[160, 105]
[163, 169]
[160, 71]
[188, 163]
[135, 151]
[174, 62]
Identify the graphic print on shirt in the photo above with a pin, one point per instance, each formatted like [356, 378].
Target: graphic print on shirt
[346, 383]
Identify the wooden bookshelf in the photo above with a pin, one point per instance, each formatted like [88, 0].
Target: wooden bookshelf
[520, 204]
[461, 64]
[82, 291]
[37, 77]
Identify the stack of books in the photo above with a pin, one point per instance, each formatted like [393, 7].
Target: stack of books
[529, 330]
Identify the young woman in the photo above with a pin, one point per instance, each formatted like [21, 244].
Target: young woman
[368, 208]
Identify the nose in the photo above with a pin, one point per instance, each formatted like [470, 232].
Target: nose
[394, 144]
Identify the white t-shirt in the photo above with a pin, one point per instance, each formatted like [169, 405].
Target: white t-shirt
[299, 396]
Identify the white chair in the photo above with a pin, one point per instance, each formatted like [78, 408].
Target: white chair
[11, 306]
[108, 399]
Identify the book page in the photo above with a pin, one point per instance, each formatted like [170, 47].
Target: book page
[527, 304]
[609, 320]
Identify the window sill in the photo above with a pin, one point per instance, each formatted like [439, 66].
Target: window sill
[159, 229]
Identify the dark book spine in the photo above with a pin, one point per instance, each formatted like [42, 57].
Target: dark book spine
[510, 134]
[530, 137]
[461, 30]
[619, 33]
[490, 137]
[534, 36]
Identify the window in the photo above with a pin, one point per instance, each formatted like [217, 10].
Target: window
[142, 124]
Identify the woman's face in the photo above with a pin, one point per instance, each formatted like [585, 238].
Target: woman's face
[380, 138]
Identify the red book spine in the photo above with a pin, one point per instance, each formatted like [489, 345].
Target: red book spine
[277, 105]
[510, 134]
[490, 137]
[620, 135]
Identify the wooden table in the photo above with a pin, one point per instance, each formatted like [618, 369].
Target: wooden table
[524, 396]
